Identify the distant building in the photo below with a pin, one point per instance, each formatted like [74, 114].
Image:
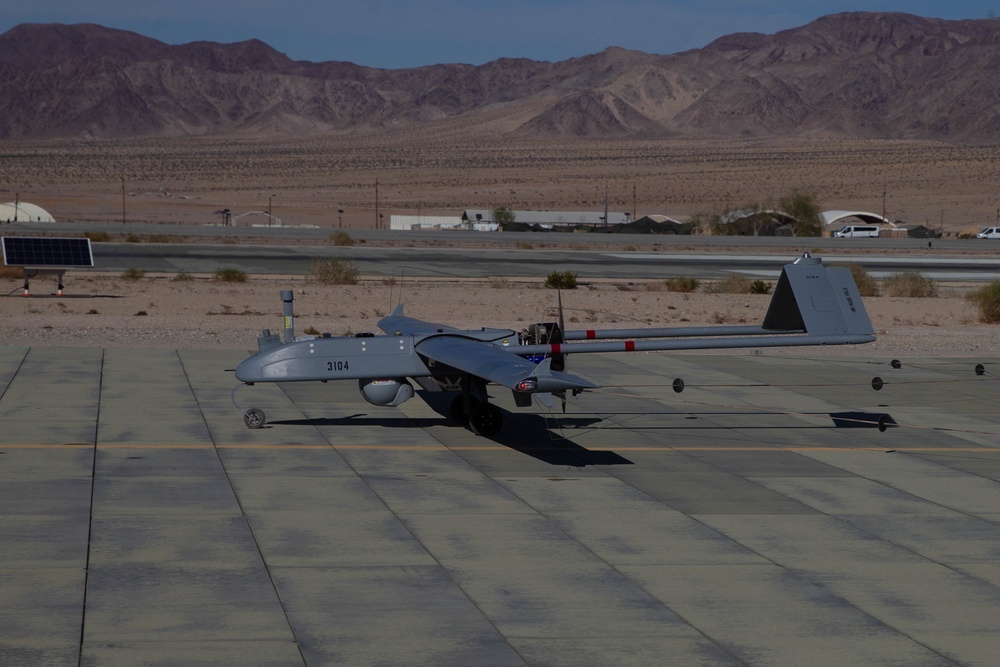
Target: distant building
[24, 212]
[424, 222]
[659, 224]
[834, 220]
[549, 219]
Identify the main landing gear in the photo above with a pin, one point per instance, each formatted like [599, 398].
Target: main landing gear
[483, 419]
[473, 409]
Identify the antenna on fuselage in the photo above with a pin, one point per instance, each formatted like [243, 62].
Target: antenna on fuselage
[288, 310]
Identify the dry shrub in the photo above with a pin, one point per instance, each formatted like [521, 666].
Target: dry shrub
[867, 286]
[229, 275]
[734, 284]
[909, 283]
[334, 271]
[681, 284]
[987, 300]
[561, 280]
[341, 238]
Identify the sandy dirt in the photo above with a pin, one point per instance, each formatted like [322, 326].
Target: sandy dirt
[162, 312]
[308, 180]
[311, 179]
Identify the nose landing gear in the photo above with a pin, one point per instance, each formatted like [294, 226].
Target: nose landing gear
[252, 417]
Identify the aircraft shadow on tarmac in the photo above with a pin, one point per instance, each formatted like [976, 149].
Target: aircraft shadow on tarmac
[541, 437]
[862, 420]
[879, 420]
[527, 433]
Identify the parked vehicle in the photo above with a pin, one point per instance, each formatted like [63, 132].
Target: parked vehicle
[989, 233]
[857, 231]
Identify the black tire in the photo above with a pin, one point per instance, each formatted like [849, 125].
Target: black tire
[254, 418]
[486, 420]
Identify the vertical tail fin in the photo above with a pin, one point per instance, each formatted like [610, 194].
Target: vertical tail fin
[822, 300]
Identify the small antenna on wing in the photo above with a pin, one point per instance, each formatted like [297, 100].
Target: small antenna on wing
[392, 284]
[401, 269]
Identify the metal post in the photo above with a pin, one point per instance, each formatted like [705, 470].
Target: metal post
[287, 296]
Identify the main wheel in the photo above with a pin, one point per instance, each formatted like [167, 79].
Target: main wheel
[457, 411]
[254, 418]
[486, 420]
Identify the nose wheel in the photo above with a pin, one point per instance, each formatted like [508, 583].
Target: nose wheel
[252, 417]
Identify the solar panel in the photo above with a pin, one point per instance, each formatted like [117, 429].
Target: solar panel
[46, 251]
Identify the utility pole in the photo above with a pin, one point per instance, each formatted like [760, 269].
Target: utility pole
[123, 199]
[883, 202]
[376, 204]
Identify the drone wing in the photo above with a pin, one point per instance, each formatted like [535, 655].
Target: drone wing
[490, 362]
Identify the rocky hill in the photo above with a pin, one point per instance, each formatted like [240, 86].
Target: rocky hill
[880, 75]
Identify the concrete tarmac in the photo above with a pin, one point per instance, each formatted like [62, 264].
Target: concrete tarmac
[758, 518]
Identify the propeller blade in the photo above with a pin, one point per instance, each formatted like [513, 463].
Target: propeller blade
[559, 360]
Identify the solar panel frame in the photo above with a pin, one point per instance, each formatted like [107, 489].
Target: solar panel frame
[46, 251]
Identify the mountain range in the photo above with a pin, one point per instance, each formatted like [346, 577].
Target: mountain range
[849, 75]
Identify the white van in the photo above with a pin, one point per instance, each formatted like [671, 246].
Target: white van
[989, 233]
[857, 231]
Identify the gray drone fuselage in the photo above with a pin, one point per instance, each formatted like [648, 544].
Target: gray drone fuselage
[811, 305]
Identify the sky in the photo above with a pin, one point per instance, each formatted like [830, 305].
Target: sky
[396, 34]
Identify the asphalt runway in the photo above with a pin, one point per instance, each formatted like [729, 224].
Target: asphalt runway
[291, 250]
[758, 518]
[531, 263]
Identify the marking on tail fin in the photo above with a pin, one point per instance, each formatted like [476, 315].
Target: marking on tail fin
[821, 300]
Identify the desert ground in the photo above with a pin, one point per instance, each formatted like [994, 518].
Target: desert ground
[307, 180]
[163, 312]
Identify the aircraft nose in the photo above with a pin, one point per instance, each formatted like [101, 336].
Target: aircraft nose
[249, 370]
